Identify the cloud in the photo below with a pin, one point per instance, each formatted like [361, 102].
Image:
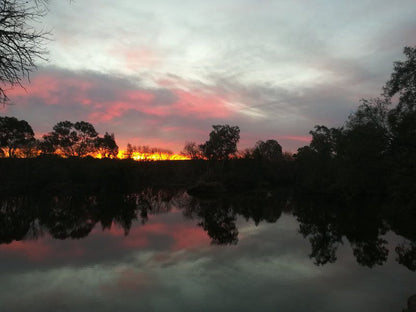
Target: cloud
[177, 109]
[35, 251]
[110, 103]
[269, 268]
[163, 73]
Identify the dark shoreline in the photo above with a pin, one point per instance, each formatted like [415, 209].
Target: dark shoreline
[51, 174]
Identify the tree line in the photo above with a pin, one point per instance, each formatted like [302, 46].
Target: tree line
[80, 139]
[375, 150]
[67, 139]
[325, 224]
[222, 145]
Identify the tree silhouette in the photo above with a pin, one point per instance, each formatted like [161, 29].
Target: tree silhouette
[222, 142]
[270, 150]
[86, 136]
[192, 150]
[107, 145]
[20, 44]
[406, 255]
[129, 151]
[217, 218]
[14, 134]
[403, 81]
[71, 139]
[402, 118]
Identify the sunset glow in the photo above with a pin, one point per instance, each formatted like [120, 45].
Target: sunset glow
[207, 155]
[122, 154]
[148, 156]
[162, 74]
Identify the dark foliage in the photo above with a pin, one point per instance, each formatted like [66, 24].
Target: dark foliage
[222, 142]
[72, 139]
[374, 152]
[14, 134]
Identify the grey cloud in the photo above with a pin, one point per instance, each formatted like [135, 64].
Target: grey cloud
[268, 269]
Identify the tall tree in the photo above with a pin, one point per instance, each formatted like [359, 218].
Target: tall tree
[403, 81]
[402, 118]
[222, 142]
[402, 124]
[14, 134]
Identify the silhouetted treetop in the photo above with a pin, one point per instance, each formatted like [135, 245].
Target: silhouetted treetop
[72, 139]
[222, 142]
[192, 150]
[270, 150]
[14, 134]
[376, 147]
[107, 145]
[403, 80]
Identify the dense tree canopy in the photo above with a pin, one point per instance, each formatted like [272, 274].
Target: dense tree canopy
[14, 134]
[107, 146]
[403, 81]
[222, 142]
[402, 118]
[375, 149]
[270, 150]
[71, 139]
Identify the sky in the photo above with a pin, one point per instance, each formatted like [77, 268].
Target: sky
[161, 73]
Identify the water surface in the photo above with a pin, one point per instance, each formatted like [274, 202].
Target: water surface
[168, 251]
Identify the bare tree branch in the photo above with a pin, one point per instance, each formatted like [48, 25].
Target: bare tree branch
[21, 44]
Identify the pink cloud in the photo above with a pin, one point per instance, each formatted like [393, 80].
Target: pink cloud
[175, 111]
[189, 237]
[33, 250]
[136, 58]
[56, 88]
[185, 235]
[200, 104]
[50, 87]
[189, 104]
[182, 235]
[140, 59]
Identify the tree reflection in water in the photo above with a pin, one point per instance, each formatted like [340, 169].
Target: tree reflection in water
[326, 223]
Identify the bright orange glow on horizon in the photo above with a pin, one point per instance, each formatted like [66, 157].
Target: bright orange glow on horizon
[122, 154]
